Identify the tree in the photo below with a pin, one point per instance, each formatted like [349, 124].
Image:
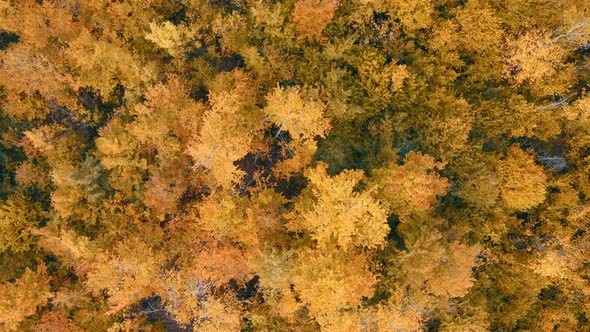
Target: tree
[335, 213]
[413, 15]
[411, 187]
[302, 117]
[536, 58]
[479, 27]
[97, 62]
[17, 218]
[226, 132]
[523, 183]
[331, 283]
[478, 178]
[21, 298]
[130, 273]
[312, 16]
[167, 36]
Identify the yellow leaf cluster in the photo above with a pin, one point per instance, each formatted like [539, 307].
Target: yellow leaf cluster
[303, 119]
[166, 36]
[536, 58]
[222, 140]
[129, 273]
[222, 217]
[102, 64]
[20, 299]
[413, 186]
[524, 183]
[480, 29]
[339, 213]
[413, 14]
[331, 282]
[17, 218]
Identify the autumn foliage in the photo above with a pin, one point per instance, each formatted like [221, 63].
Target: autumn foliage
[296, 165]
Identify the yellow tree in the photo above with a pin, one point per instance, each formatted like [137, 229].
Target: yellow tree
[167, 36]
[411, 187]
[414, 15]
[129, 273]
[165, 122]
[227, 130]
[17, 218]
[104, 63]
[332, 284]
[331, 275]
[524, 183]
[479, 27]
[300, 115]
[21, 298]
[379, 78]
[336, 213]
[536, 58]
[478, 177]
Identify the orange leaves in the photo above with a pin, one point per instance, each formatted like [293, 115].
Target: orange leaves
[536, 58]
[332, 282]
[453, 277]
[165, 121]
[17, 218]
[523, 182]
[227, 130]
[20, 299]
[219, 263]
[222, 140]
[158, 130]
[413, 186]
[338, 213]
[480, 27]
[129, 273]
[398, 315]
[250, 222]
[220, 215]
[163, 191]
[33, 78]
[116, 146]
[39, 24]
[312, 16]
[303, 118]
[167, 110]
[65, 243]
[192, 301]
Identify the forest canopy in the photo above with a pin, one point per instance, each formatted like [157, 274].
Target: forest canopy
[294, 165]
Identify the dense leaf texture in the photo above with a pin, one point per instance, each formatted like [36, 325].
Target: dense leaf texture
[294, 165]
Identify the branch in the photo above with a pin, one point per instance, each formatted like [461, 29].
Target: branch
[575, 33]
[282, 124]
[557, 103]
